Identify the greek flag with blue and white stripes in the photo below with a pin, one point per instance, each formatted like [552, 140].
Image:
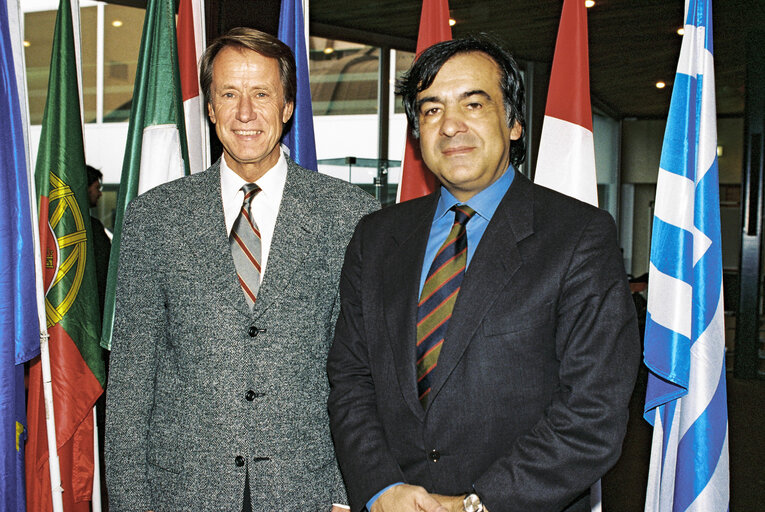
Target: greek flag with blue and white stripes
[684, 338]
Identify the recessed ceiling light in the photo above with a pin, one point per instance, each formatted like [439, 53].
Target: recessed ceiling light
[27, 44]
[660, 85]
[452, 22]
[681, 31]
[116, 23]
[328, 50]
[589, 3]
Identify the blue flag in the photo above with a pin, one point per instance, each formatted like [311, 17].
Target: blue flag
[684, 338]
[299, 138]
[19, 326]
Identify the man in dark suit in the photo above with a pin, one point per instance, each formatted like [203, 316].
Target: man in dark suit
[226, 302]
[499, 387]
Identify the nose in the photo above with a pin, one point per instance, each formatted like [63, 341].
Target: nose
[244, 111]
[452, 122]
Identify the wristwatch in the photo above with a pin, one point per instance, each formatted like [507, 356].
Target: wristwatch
[472, 503]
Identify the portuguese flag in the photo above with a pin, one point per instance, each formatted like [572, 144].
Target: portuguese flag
[71, 301]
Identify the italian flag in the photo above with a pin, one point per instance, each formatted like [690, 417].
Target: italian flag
[156, 150]
[71, 300]
[191, 44]
[566, 160]
[416, 180]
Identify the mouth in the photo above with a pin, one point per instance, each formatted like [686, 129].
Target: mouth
[247, 133]
[457, 151]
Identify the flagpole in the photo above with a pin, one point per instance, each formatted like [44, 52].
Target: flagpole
[200, 41]
[50, 422]
[53, 461]
[14, 12]
[95, 502]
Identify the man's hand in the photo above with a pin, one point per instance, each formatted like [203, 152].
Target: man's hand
[338, 508]
[450, 503]
[407, 498]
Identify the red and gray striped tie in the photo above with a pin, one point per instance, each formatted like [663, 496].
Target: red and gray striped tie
[438, 297]
[245, 246]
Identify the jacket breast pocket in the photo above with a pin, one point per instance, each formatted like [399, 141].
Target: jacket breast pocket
[528, 319]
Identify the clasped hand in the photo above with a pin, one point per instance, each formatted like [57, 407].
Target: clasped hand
[412, 498]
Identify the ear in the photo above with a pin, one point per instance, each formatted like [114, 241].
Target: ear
[516, 131]
[211, 113]
[287, 111]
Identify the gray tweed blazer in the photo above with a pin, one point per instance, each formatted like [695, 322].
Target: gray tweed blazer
[201, 389]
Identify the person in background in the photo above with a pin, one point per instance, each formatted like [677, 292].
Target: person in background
[102, 243]
[102, 246]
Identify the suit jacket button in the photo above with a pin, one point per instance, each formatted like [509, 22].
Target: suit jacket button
[239, 461]
[250, 395]
[434, 455]
[252, 331]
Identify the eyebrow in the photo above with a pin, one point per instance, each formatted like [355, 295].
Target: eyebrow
[464, 95]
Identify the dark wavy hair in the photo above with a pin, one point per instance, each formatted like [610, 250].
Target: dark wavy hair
[259, 42]
[425, 68]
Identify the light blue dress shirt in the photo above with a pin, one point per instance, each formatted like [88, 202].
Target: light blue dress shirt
[484, 203]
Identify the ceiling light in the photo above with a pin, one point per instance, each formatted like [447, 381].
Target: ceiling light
[660, 85]
[452, 22]
[589, 3]
[681, 31]
[27, 44]
[328, 50]
[116, 23]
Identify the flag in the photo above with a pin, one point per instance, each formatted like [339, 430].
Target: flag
[19, 326]
[71, 300]
[566, 158]
[416, 180]
[684, 337]
[191, 44]
[156, 149]
[299, 135]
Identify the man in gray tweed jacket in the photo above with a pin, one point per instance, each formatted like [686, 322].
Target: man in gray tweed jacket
[213, 405]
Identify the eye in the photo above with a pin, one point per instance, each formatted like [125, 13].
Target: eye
[474, 105]
[430, 111]
[228, 94]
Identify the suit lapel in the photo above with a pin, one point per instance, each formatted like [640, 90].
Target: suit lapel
[403, 267]
[294, 232]
[491, 269]
[211, 239]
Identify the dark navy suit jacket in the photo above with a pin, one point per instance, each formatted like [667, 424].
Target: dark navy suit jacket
[529, 398]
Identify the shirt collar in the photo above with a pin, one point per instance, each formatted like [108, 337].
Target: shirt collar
[484, 203]
[271, 183]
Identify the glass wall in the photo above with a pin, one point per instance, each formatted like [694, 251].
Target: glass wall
[110, 36]
[343, 77]
[38, 41]
[122, 41]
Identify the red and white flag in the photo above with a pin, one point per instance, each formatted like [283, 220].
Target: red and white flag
[566, 160]
[191, 44]
[416, 180]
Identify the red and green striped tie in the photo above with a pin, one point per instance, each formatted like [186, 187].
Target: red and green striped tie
[245, 246]
[438, 297]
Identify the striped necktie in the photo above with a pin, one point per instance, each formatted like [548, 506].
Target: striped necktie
[245, 246]
[438, 297]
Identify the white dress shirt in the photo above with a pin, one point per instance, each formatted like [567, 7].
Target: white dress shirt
[264, 206]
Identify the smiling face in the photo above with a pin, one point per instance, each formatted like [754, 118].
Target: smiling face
[248, 110]
[464, 137]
